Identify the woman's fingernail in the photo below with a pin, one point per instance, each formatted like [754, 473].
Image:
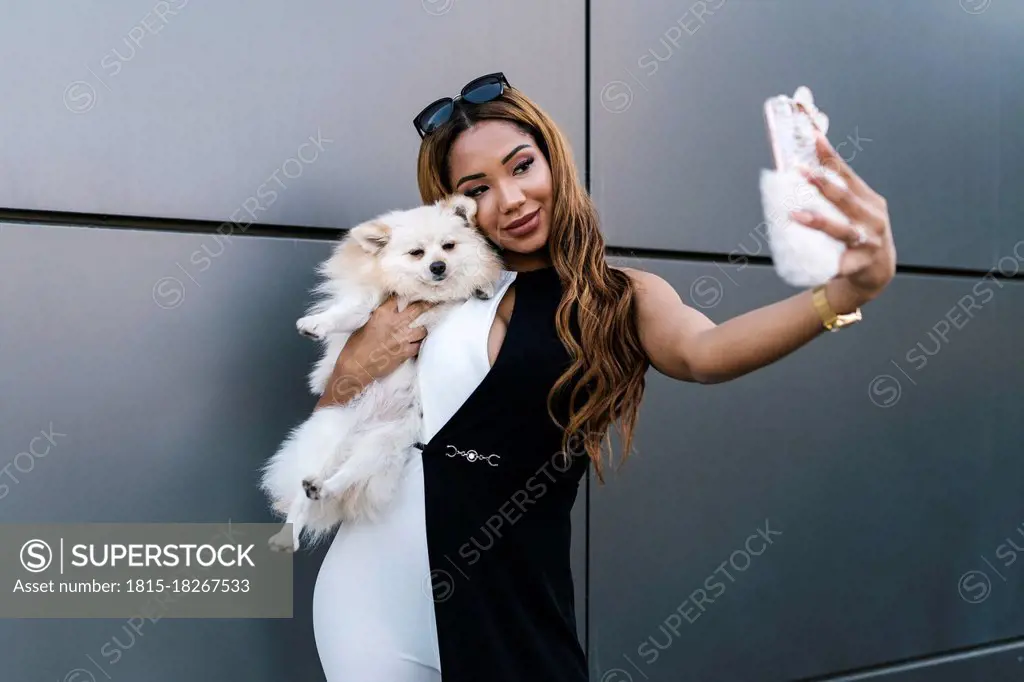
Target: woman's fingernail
[802, 216]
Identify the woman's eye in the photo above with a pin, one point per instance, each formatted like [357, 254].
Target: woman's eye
[449, 246]
[520, 168]
[524, 165]
[416, 252]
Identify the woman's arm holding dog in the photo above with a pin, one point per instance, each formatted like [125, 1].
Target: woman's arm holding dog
[374, 351]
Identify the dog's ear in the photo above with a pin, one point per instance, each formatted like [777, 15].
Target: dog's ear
[462, 206]
[372, 235]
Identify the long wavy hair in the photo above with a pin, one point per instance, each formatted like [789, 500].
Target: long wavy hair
[608, 358]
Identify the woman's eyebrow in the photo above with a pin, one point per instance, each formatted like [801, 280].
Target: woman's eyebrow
[504, 160]
[513, 153]
[469, 177]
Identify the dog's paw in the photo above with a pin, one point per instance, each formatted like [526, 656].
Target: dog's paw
[312, 488]
[281, 541]
[312, 328]
[486, 292]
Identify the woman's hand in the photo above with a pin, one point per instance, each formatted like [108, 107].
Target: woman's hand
[386, 340]
[869, 262]
[375, 350]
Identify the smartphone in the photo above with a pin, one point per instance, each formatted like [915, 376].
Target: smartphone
[791, 122]
[802, 256]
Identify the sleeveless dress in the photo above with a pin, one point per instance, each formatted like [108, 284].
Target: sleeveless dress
[467, 577]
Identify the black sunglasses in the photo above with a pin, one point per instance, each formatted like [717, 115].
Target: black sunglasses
[477, 91]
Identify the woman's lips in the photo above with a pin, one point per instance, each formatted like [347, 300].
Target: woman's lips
[523, 228]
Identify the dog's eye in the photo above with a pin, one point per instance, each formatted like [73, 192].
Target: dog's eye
[416, 252]
[449, 246]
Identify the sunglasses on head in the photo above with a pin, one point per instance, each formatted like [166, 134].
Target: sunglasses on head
[477, 91]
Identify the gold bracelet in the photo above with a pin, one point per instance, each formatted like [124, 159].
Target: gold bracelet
[829, 319]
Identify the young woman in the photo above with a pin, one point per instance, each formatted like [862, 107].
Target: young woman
[469, 574]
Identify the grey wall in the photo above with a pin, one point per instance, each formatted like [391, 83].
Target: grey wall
[924, 98]
[885, 461]
[890, 469]
[187, 110]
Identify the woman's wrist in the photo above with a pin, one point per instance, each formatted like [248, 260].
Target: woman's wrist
[343, 386]
[843, 298]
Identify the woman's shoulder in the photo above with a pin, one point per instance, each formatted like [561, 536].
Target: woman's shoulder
[653, 294]
[632, 272]
[646, 281]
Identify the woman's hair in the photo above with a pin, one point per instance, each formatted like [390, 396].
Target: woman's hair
[608, 359]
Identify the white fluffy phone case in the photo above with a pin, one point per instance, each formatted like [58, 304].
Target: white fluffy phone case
[802, 256]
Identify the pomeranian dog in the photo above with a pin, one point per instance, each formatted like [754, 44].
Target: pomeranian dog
[344, 462]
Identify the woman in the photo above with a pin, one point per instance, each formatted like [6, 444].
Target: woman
[469, 574]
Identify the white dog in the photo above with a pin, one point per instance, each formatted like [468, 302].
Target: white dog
[345, 461]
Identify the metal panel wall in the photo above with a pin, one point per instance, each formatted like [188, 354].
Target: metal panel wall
[170, 359]
[848, 510]
[199, 110]
[819, 515]
[924, 99]
[171, 394]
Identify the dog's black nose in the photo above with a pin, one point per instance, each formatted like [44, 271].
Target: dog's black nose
[437, 267]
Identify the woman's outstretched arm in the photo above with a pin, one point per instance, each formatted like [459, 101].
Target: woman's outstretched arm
[685, 344]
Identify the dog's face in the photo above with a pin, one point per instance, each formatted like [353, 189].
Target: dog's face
[432, 252]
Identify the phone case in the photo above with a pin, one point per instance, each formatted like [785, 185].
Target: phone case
[791, 122]
[802, 256]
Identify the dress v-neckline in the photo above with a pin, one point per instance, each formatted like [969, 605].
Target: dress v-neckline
[501, 356]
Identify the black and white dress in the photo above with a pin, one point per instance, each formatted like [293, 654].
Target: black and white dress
[468, 576]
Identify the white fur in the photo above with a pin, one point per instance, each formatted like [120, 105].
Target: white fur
[803, 256]
[344, 462]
